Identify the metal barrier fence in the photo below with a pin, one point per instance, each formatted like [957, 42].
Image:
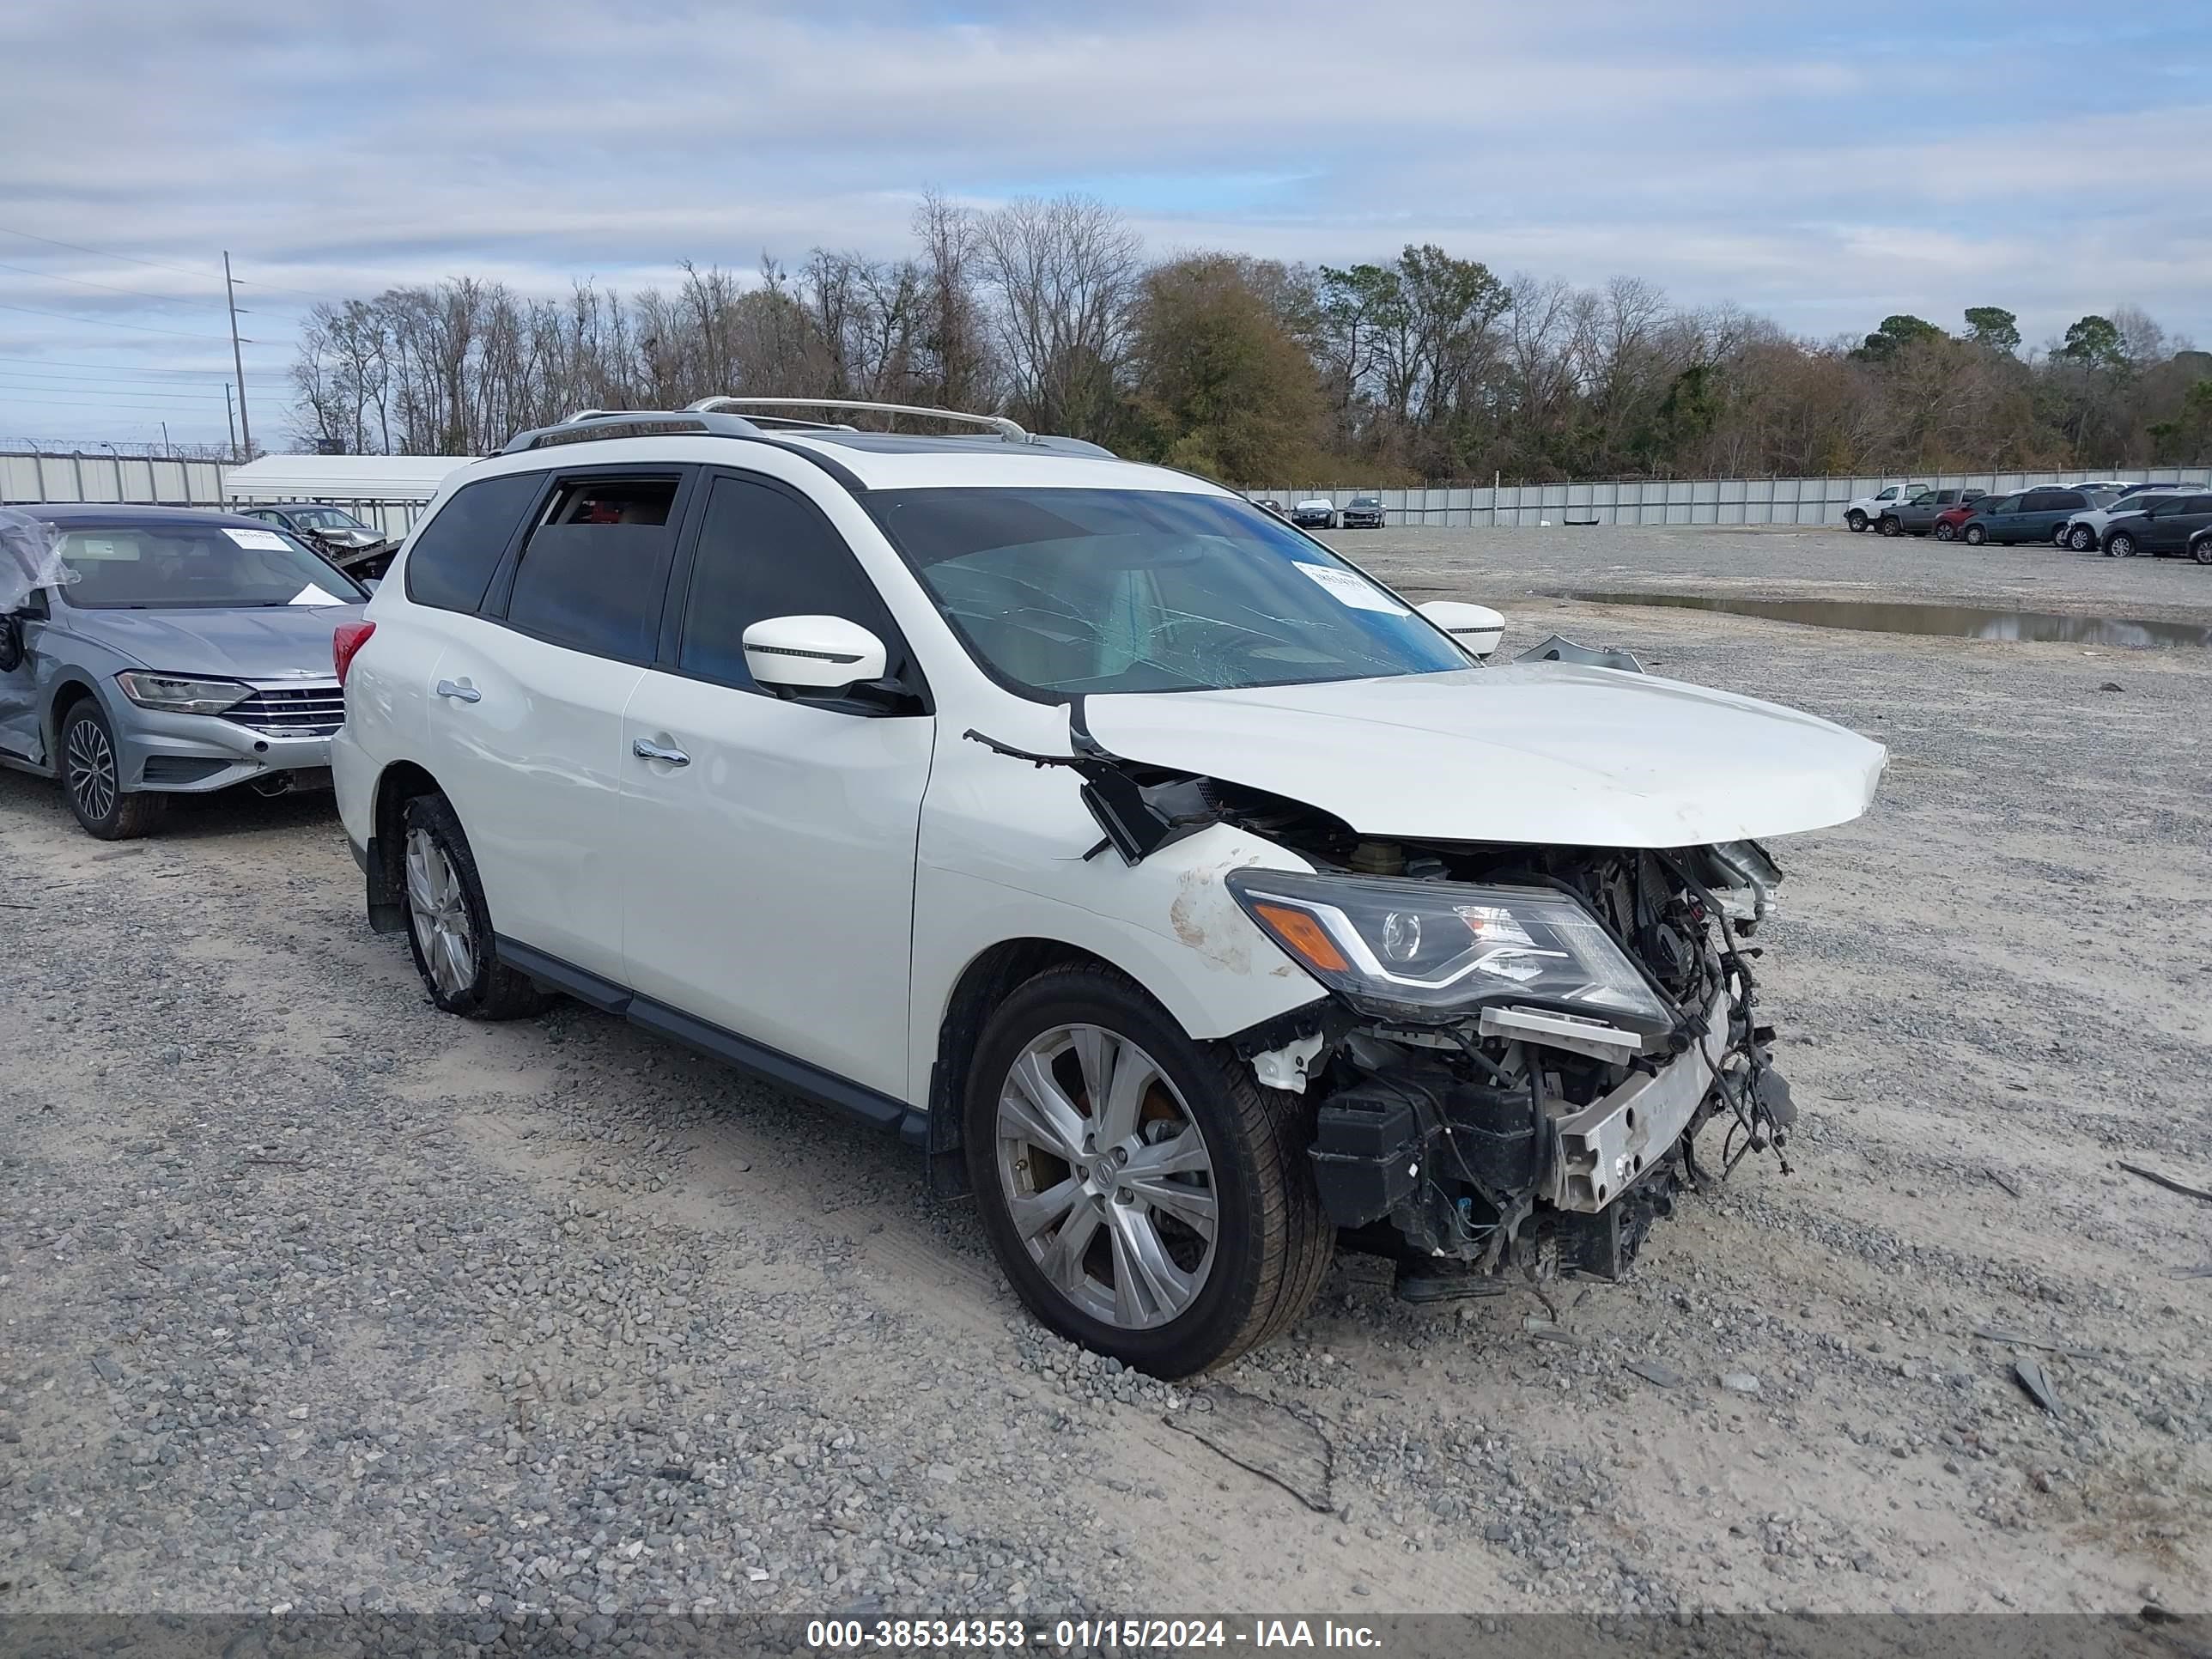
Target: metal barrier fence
[1688, 501]
[34, 479]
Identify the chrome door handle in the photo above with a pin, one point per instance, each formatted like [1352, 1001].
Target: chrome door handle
[645, 751]
[459, 693]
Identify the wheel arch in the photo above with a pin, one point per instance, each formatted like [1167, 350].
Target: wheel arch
[398, 783]
[71, 688]
[991, 976]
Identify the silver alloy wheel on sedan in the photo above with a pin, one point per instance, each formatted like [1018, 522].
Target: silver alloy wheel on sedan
[1106, 1178]
[90, 759]
[440, 911]
[2082, 539]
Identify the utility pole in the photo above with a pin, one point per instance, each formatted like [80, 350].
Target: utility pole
[165, 450]
[237, 359]
[229, 421]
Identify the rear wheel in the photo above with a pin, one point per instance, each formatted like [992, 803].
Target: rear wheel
[449, 928]
[1975, 535]
[2201, 550]
[92, 777]
[2121, 545]
[1857, 519]
[1145, 1196]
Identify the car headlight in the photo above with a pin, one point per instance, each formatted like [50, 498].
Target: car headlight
[178, 694]
[1400, 949]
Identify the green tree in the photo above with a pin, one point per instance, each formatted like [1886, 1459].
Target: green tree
[1993, 326]
[1897, 331]
[2093, 342]
[1221, 387]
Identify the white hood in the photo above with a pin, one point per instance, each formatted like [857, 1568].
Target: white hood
[1542, 753]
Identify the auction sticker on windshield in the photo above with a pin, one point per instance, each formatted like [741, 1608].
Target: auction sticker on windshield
[1346, 588]
[268, 540]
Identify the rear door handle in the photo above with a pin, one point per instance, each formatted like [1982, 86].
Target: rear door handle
[458, 692]
[645, 751]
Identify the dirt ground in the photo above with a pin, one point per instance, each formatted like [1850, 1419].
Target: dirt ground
[314, 1298]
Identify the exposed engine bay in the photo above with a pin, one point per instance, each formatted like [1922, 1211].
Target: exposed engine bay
[1521, 1137]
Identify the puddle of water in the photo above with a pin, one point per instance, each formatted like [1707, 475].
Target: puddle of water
[1963, 622]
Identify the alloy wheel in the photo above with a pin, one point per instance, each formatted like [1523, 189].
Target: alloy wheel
[2082, 539]
[90, 759]
[1106, 1178]
[1945, 533]
[440, 913]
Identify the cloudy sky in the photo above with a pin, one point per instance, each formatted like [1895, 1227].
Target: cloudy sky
[1823, 163]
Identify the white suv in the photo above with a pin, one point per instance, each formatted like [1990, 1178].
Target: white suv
[1183, 892]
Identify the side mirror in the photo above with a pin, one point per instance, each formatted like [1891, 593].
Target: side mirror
[370, 584]
[1475, 628]
[813, 653]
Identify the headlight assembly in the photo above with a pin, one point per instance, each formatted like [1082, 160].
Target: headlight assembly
[177, 694]
[1399, 949]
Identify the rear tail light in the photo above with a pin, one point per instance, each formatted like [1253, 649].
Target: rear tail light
[346, 640]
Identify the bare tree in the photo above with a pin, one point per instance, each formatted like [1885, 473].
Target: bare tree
[1062, 272]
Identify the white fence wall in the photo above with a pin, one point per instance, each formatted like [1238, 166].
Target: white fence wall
[1687, 501]
[28, 479]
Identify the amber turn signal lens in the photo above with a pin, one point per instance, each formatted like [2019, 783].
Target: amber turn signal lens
[1304, 935]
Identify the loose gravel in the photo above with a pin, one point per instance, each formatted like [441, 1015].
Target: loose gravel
[315, 1298]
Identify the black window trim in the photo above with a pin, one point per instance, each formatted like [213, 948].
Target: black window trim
[900, 661]
[524, 525]
[501, 588]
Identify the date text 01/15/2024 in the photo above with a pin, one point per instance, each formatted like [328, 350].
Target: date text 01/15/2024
[1104, 1634]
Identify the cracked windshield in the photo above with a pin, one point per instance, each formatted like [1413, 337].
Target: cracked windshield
[1118, 590]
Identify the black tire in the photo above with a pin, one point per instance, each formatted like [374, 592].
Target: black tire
[2081, 539]
[489, 989]
[1272, 1244]
[2201, 550]
[1855, 519]
[2120, 544]
[1890, 527]
[1945, 533]
[91, 781]
[1974, 535]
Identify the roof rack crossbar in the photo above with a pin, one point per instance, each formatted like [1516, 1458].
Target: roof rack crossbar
[1010, 430]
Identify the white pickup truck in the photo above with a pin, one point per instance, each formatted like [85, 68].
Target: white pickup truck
[1869, 509]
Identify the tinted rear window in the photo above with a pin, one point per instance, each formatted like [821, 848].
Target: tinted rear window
[593, 577]
[455, 554]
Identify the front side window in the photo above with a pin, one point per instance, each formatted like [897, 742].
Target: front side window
[762, 552]
[1066, 591]
[325, 518]
[183, 566]
[594, 573]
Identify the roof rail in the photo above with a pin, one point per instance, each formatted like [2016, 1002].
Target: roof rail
[1010, 430]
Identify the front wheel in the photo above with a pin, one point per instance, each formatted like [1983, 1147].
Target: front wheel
[1975, 535]
[2082, 538]
[1945, 533]
[1890, 527]
[2122, 545]
[1855, 519]
[1144, 1195]
[449, 926]
[92, 776]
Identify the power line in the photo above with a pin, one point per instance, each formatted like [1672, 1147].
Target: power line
[109, 288]
[116, 368]
[97, 377]
[99, 254]
[11, 401]
[139, 395]
[97, 322]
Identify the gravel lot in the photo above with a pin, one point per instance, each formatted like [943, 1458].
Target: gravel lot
[314, 1298]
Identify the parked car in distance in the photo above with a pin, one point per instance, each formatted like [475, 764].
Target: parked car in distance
[2030, 515]
[2084, 532]
[2164, 529]
[1362, 513]
[1868, 509]
[1315, 513]
[1269, 504]
[1187, 896]
[190, 652]
[1917, 517]
[2113, 487]
[359, 548]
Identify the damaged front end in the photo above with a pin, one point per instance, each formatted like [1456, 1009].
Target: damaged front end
[1522, 1044]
